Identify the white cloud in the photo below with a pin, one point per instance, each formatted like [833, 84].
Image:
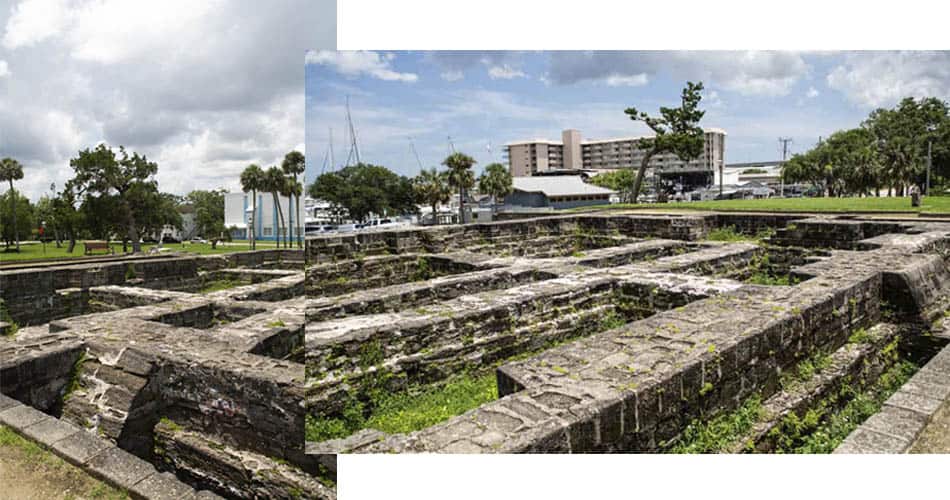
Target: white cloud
[627, 81]
[33, 21]
[452, 75]
[505, 72]
[812, 93]
[4, 68]
[357, 63]
[200, 88]
[749, 72]
[873, 79]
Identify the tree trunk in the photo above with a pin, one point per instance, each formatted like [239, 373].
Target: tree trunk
[461, 205]
[639, 181]
[72, 243]
[280, 218]
[16, 232]
[435, 217]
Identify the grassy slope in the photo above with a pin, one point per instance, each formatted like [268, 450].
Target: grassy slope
[932, 204]
[29, 251]
[28, 471]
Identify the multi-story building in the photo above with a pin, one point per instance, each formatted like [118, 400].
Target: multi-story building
[531, 157]
[239, 211]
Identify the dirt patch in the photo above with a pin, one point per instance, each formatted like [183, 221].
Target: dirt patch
[29, 472]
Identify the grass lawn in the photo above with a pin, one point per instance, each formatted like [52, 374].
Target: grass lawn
[27, 471]
[34, 250]
[407, 411]
[931, 204]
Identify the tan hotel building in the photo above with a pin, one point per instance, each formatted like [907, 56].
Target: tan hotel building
[526, 158]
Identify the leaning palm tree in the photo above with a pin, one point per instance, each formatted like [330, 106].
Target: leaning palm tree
[461, 177]
[252, 179]
[495, 181]
[11, 170]
[294, 164]
[277, 185]
[432, 188]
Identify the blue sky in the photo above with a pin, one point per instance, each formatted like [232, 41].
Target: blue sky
[479, 98]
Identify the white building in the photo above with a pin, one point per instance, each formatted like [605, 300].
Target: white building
[238, 212]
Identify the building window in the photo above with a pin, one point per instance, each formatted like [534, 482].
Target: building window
[268, 231]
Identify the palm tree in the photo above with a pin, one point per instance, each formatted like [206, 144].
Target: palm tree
[495, 181]
[432, 188]
[252, 179]
[460, 176]
[277, 185]
[295, 163]
[11, 170]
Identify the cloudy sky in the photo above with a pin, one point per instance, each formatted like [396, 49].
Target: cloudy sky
[203, 88]
[479, 98]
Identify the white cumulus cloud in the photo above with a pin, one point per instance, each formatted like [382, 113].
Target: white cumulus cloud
[873, 79]
[504, 72]
[359, 63]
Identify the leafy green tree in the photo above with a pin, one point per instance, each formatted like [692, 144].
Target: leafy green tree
[209, 214]
[16, 217]
[253, 180]
[276, 184]
[363, 190]
[902, 134]
[460, 177]
[11, 170]
[69, 219]
[621, 181]
[676, 131]
[102, 172]
[295, 164]
[496, 181]
[432, 189]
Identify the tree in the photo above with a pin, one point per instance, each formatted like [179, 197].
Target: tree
[460, 177]
[11, 170]
[69, 218]
[363, 190]
[252, 179]
[16, 217]
[495, 181]
[432, 188]
[100, 171]
[294, 164]
[676, 131]
[275, 183]
[209, 214]
[620, 181]
[902, 134]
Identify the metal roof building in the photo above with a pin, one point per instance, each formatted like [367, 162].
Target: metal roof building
[561, 191]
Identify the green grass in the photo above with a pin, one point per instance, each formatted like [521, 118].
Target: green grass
[822, 429]
[407, 411]
[222, 284]
[722, 431]
[49, 471]
[932, 204]
[34, 250]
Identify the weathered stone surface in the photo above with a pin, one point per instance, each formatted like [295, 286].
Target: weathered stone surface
[633, 387]
[140, 343]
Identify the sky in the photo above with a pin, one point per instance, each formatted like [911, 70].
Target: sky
[202, 88]
[405, 101]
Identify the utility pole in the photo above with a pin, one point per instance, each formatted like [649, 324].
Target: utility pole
[720, 178]
[785, 142]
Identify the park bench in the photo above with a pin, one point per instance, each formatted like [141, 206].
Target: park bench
[92, 246]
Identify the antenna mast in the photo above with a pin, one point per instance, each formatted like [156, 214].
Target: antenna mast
[354, 148]
[415, 153]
